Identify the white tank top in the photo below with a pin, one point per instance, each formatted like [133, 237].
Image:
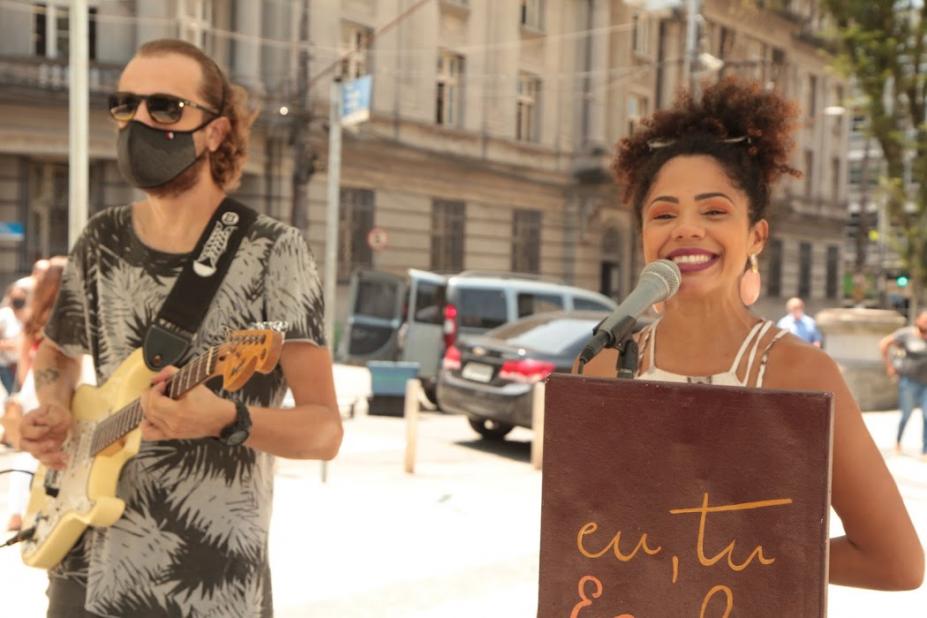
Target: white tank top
[727, 378]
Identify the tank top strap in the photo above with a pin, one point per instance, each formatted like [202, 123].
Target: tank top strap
[765, 357]
[764, 328]
[743, 347]
[650, 333]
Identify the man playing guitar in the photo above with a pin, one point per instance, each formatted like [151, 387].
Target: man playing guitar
[192, 540]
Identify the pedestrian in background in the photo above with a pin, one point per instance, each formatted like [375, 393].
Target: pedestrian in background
[39, 309]
[796, 322]
[905, 355]
[12, 315]
[28, 282]
[41, 301]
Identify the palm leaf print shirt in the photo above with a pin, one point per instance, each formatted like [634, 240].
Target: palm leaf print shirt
[193, 538]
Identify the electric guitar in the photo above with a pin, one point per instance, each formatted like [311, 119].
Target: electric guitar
[106, 434]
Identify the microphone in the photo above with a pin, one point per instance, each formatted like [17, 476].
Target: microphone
[659, 280]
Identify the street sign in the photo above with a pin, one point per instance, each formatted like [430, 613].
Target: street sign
[355, 101]
[377, 238]
[12, 230]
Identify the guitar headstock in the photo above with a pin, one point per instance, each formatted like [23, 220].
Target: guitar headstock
[247, 351]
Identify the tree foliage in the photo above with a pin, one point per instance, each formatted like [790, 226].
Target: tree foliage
[882, 46]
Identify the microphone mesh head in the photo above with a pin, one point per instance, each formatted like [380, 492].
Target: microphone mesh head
[666, 272]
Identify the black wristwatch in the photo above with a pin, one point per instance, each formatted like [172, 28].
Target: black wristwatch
[238, 430]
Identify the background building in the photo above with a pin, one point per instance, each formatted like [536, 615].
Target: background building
[491, 131]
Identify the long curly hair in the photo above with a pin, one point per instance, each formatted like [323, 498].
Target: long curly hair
[227, 162]
[748, 130]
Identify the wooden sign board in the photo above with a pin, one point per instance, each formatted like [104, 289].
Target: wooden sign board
[681, 500]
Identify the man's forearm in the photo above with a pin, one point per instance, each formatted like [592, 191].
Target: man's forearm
[55, 375]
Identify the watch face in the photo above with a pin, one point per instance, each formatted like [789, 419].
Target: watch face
[236, 437]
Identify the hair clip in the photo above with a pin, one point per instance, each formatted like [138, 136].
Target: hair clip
[737, 140]
[656, 144]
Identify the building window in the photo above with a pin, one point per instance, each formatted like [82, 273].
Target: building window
[725, 42]
[833, 262]
[195, 17]
[638, 108]
[838, 101]
[355, 51]
[804, 270]
[448, 226]
[855, 174]
[449, 98]
[528, 108]
[774, 276]
[812, 96]
[531, 14]
[526, 241]
[52, 31]
[809, 172]
[777, 68]
[640, 34]
[835, 168]
[354, 224]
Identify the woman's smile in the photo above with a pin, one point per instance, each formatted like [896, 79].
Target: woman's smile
[693, 260]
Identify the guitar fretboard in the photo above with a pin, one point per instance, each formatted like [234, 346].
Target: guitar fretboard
[127, 418]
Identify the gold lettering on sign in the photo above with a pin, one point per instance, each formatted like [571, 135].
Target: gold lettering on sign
[728, 551]
[729, 596]
[585, 601]
[614, 545]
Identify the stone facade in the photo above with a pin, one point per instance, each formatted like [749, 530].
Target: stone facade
[509, 108]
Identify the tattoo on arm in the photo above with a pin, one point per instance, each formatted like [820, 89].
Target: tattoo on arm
[44, 377]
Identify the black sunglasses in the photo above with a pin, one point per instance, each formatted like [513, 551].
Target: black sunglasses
[163, 108]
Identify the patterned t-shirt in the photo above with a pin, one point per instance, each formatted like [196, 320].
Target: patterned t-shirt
[193, 538]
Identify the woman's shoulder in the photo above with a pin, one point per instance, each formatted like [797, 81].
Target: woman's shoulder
[796, 365]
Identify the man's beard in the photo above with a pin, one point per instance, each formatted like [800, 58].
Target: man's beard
[185, 181]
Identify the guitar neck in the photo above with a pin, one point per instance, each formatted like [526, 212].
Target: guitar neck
[124, 420]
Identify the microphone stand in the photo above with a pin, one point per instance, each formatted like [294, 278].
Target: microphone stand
[621, 338]
[626, 364]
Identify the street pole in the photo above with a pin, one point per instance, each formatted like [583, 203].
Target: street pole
[302, 115]
[79, 123]
[333, 169]
[862, 235]
[688, 72]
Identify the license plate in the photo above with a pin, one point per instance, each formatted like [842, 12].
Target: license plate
[478, 372]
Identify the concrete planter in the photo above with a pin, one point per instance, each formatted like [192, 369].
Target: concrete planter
[851, 337]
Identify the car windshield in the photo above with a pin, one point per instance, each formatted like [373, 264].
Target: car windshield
[546, 335]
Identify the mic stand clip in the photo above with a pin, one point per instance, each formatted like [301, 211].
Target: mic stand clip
[626, 363]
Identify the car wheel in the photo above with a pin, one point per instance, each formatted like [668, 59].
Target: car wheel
[431, 392]
[490, 429]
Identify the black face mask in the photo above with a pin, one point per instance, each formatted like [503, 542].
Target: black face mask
[18, 303]
[150, 157]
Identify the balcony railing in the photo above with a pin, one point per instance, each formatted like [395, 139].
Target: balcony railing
[52, 75]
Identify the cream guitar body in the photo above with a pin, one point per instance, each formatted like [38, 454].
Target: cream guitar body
[106, 434]
[87, 488]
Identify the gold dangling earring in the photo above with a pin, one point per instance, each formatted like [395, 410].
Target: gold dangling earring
[750, 283]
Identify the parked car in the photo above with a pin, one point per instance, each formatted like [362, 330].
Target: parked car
[417, 317]
[489, 378]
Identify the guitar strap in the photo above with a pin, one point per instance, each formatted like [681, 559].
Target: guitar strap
[169, 337]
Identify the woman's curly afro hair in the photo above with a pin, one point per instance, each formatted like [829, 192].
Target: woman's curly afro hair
[728, 109]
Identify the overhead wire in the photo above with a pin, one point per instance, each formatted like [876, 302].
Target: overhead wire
[613, 74]
[28, 7]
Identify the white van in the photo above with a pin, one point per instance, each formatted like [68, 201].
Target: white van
[415, 318]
